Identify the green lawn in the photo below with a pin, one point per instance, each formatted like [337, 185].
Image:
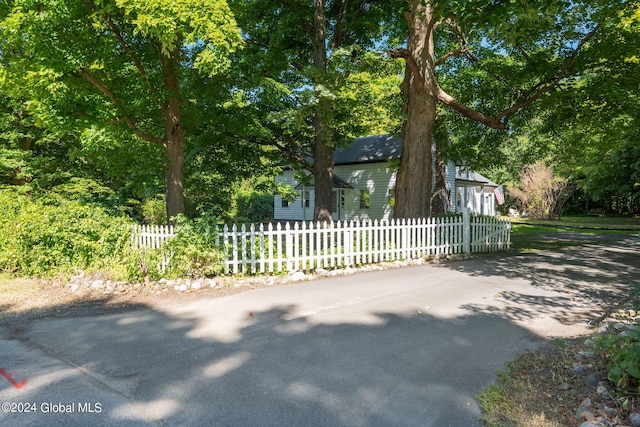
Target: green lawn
[531, 235]
[615, 223]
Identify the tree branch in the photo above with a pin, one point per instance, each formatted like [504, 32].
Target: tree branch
[448, 55]
[404, 54]
[116, 102]
[306, 164]
[541, 89]
[462, 40]
[341, 19]
[500, 120]
[468, 112]
[289, 152]
[125, 46]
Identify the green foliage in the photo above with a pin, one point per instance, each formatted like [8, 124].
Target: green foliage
[254, 207]
[622, 356]
[141, 264]
[54, 236]
[287, 192]
[207, 27]
[193, 251]
[106, 72]
[635, 292]
[620, 352]
[288, 98]
[153, 211]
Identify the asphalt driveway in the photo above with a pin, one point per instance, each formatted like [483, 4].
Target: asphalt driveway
[400, 347]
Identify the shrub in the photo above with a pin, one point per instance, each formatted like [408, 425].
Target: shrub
[254, 207]
[140, 264]
[621, 353]
[193, 251]
[541, 193]
[153, 211]
[49, 237]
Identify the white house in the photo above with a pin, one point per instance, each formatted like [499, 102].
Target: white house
[364, 184]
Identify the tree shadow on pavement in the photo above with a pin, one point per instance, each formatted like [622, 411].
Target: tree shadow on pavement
[246, 360]
[272, 367]
[594, 276]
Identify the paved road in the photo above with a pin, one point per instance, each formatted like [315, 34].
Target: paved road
[400, 347]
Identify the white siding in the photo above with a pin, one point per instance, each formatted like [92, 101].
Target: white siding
[480, 200]
[379, 179]
[451, 185]
[294, 211]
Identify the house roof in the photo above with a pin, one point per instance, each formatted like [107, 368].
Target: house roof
[464, 175]
[369, 149]
[337, 183]
[381, 148]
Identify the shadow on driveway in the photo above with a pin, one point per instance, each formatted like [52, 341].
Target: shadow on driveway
[595, 275]
[242, 360]
[408, 369]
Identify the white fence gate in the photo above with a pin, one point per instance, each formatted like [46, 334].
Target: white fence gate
[260, 248]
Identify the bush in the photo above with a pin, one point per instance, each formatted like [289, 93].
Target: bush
[254, 207]
[541, 193]
[49, 237]
[621, 353]
[193, 251]
[153, 211]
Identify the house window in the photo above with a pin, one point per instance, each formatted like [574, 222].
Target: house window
[365, 199]
[305, 200]
[391, 197]
[285, 203]
[335, 196]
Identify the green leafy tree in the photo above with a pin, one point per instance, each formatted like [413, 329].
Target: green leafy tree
[486, 61]
[114, 64]
[589, 130]
[313, 81]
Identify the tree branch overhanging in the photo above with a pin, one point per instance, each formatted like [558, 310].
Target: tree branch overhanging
[125, 46]
[457, 52]
[289, 152]
[533, 96]
[457, 31]
[501, 119]
[116, 102]
[468, 112]
[297, 157]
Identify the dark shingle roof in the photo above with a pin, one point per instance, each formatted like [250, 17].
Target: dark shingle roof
[369, 149]
[380, 148]
[337, 183]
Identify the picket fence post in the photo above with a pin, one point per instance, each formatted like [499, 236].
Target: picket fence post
[466, 230]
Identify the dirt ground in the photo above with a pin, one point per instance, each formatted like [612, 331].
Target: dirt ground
[24, 299]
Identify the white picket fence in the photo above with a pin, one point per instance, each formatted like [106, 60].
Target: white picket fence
[304, 246]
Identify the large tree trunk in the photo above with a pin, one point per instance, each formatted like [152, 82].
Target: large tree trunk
[419, 90]
[323, 149]
[323, 172]
[173, 143]
[440, 198]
